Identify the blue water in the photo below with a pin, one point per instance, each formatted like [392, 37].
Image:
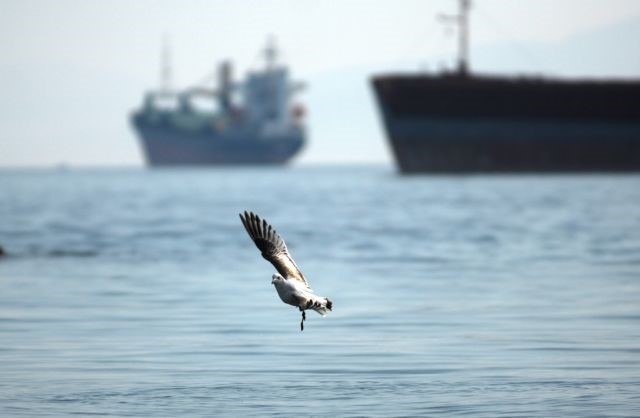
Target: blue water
[138, 293]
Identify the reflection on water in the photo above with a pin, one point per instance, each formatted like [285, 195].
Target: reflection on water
[139, 293]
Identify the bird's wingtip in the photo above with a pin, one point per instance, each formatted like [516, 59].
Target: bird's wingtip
[246, 215]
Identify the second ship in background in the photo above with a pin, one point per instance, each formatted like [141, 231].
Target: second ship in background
[252, 122]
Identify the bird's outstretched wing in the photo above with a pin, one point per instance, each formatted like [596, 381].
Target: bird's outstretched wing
[272, 246]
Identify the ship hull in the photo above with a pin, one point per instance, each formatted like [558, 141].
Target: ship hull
[165, 146]
[440, 125]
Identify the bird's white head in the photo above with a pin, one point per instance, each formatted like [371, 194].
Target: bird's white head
[276, 278]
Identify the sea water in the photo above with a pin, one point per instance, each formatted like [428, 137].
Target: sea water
[138, 293]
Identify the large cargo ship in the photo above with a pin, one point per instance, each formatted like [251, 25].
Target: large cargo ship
[461, 122]
[253, 122]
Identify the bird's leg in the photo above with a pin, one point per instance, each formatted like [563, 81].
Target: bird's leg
[304, 317]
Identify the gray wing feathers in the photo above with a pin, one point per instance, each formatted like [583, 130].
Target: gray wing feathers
[271, 245]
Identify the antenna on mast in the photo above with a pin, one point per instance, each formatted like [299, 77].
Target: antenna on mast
[165, 68]
[462, 21]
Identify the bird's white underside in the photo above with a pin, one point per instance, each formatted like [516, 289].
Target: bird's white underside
[296, 293]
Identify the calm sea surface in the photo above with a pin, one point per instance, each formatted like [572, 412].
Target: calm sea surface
[138, 293]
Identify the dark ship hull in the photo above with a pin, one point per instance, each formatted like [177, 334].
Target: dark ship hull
[164, 145]
[459, 123]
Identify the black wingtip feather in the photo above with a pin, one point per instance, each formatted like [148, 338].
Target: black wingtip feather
[245, 223]
[254, 224]
[250, 224]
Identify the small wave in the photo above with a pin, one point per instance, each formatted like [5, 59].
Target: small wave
[72, 253]
[55, 253]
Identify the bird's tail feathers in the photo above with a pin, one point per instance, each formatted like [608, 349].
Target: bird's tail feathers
[320, 305]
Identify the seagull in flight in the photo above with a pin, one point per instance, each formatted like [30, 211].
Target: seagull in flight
[291, 285]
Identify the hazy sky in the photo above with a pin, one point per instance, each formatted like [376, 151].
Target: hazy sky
[72, 71]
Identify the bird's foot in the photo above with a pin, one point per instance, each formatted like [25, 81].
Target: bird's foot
[304, 317]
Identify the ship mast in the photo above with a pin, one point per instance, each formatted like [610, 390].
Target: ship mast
[462, 21]
[271, 53]
[165, 68]
[463, 38]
